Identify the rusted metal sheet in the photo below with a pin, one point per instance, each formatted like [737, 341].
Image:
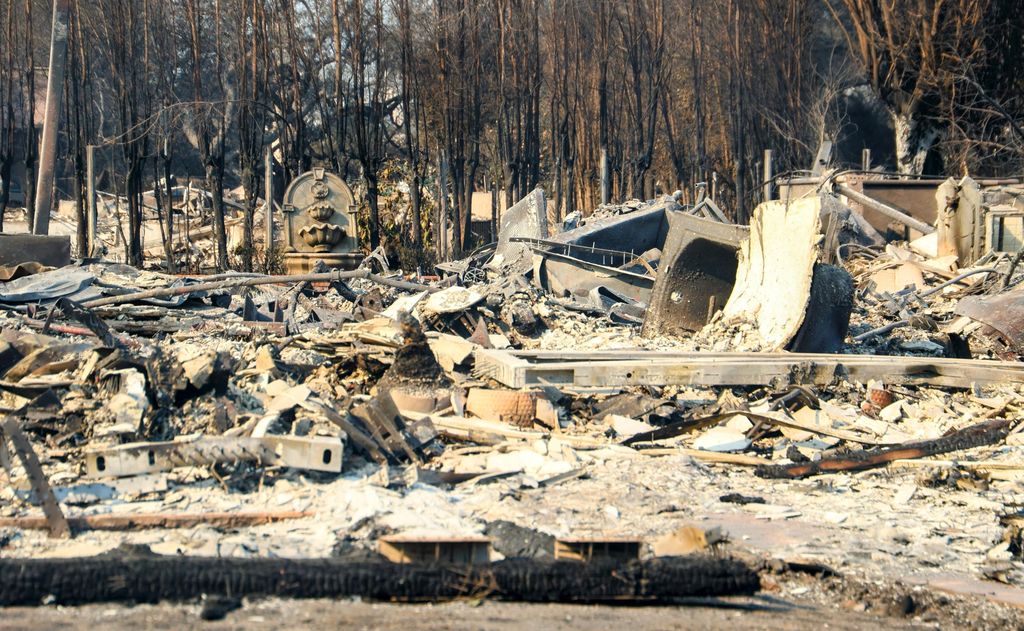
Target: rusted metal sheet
[24, 248]
[1003, 314]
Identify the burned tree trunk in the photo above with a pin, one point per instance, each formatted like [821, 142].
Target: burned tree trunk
[215, 189]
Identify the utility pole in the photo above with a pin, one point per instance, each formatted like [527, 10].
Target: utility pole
[51, 119]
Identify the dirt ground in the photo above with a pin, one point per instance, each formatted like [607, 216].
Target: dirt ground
[319, 614]
[788, 601]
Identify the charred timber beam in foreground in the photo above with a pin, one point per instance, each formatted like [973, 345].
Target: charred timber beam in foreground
[979, 435]
[151, 579]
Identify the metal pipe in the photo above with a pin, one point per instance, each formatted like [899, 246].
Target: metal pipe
[957, 279]
[885, 209]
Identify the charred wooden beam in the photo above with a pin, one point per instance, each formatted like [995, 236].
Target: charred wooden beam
[55, 520]
[90, 320]
[986, 433]
[153, 578]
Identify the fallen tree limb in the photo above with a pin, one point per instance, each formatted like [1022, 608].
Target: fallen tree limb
[151, 579]
[986, 433]
[158, 520]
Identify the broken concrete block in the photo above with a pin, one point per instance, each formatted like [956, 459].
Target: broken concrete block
[739, 423]
[289, 399]
[892, 412]
[894, 279]
[265, 360]
[451, 350]
[405, 304]
[199, 369]
[923, 346]
[547, 413]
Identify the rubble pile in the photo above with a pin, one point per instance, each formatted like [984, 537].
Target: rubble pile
[596, 402]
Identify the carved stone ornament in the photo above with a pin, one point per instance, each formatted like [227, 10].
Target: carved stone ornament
[320, 211]
[321, 236]
[319, 215]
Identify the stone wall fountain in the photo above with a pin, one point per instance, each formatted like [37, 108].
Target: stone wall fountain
[320, 223]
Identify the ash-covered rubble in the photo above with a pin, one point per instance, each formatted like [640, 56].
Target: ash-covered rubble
[866, 393]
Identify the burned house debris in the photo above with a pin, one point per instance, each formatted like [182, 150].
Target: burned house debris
[446, 309]
[522, 418]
